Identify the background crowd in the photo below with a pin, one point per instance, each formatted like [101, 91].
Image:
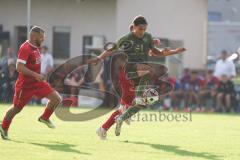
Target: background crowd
[210, 90]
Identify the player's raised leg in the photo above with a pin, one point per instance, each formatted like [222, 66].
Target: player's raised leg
[54, 100]
[125, 116]
[102, 131]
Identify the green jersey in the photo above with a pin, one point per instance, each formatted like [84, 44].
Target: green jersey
[140, 46]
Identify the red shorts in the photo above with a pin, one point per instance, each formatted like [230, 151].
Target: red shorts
[127, 89]
[23, 94]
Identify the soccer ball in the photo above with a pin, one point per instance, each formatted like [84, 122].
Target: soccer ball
[150, 96]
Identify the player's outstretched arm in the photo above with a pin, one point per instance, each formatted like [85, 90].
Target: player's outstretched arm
[24, 70]
[166, 52]
[102, 56]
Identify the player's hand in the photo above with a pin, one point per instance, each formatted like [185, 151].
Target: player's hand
[39, 77]
[94, 61]
[181, 49]
[166, 51]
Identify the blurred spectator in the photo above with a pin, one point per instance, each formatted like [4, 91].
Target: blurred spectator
[191, 91]
[74, 81]
[46, 67]
[8, 79]
[177, 96]
[168, 102]
[47, 61]
[4, 60]
[106, 77]
[186, 76]
[225, 66]
[225, 94]
[209, 90]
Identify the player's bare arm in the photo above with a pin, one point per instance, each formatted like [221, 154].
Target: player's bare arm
[21, 68]
[166, 51]
[102, 56]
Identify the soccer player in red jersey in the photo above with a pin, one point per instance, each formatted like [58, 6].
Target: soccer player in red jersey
[30, 82]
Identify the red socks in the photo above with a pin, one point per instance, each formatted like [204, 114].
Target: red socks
[111, 120]
[47, 113]
[6, 123]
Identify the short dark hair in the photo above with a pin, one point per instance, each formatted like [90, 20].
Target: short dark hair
[36, 29]
[131, 27]
[139, 20]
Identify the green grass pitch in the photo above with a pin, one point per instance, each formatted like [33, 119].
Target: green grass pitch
[206, 137]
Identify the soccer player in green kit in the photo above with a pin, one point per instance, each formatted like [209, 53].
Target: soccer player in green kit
[141, 46]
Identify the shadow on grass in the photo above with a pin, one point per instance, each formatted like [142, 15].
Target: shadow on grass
[57, 146]
[176, 150]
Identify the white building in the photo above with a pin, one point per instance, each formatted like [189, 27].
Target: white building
[224, 26]
[72, 24]
[224, 10]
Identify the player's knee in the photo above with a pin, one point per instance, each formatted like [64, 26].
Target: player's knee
[141, 106]
[16, 110]
[58, 99]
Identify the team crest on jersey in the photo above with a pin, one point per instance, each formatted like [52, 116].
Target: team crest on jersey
[137, 48]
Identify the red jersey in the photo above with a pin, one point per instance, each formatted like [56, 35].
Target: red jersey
[29, 55]
[127, 88]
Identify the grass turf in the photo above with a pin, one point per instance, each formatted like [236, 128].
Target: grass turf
[206, 137]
